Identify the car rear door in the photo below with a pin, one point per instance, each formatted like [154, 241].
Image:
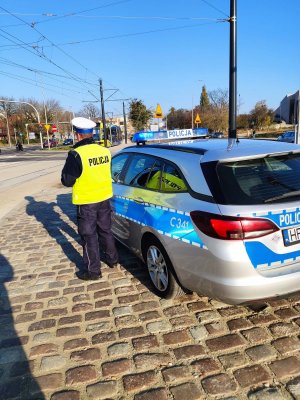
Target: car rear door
[266, 189]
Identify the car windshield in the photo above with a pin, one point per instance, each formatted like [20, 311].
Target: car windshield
[260, 181]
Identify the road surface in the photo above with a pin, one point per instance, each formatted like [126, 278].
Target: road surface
[29, 172]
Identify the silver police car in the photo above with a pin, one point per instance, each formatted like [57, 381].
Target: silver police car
[217, 219]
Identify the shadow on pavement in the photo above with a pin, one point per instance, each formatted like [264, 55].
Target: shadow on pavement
[17, 381]
[64, 202]
[56, 227]
[134, 266]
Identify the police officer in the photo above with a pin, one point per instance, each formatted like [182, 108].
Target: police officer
[88, 171]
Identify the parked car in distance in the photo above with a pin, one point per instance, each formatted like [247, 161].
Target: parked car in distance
[52, 142]
[288, 136]
[68, 142]
[216, 135]
[222, 221]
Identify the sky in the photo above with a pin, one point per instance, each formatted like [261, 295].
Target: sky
[159, 51]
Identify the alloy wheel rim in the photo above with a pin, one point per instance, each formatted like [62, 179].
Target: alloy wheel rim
[157, 268]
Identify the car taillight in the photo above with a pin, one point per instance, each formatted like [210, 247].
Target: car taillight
[232, 228]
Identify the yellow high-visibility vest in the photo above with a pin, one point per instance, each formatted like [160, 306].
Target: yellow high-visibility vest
[95, 183]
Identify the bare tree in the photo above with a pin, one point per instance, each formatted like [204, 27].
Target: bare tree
[214, 115]
[90, 111]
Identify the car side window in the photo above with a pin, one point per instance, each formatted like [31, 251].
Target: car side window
[171, 180]
[117, 165]
[139, 170]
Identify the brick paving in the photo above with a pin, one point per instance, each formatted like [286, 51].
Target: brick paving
[65, 339]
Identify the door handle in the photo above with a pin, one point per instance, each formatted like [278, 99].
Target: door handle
[139, 200]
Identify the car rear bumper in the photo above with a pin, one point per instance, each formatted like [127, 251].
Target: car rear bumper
[246, 290]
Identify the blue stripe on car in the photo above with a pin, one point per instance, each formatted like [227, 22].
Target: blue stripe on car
[259, 253]
[167, 221]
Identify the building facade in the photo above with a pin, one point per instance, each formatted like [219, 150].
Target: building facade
[288, 110]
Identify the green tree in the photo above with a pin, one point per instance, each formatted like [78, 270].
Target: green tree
[261, 116]
[139, 114]
[243, 121]
[179, 119]
[204, 99]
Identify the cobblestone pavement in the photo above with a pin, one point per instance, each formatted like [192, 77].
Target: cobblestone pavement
[65, 339]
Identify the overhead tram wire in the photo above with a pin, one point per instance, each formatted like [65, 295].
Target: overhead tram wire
[53, 76]
[16, 77]
[66, 15]
[53, 45]
[56, 46]
[214, 7]
[138, 33]
[27, 79]
[43, 56]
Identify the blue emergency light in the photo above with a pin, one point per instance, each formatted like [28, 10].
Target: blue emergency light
[146, 136]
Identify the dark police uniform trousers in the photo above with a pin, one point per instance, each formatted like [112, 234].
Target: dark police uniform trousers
[94, 223]
[94, 219]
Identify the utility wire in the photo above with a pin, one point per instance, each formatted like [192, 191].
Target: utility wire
[25, 80]
[5, 61]
[126, 17]
[215, 8]
[56, 84]
[136, 33]
[52, 44]
[122, 1]
[28, 80]
[41, 55]
[72, 14]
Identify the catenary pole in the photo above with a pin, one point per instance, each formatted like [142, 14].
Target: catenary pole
[232, 71]
[297, 131]
[7, 125]
[103, 113]
[125, 123]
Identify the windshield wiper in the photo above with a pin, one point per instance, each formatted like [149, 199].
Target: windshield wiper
[274, 181]
[283, 196]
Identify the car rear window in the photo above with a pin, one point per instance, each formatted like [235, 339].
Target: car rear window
[258, 181]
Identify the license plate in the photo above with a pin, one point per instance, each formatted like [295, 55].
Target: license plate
[291, 236]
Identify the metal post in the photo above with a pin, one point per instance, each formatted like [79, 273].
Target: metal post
[232, 72]
[103, 113]
[125, 123]
[193, 109]
[7, 125]
[26, 126]
[297, 131]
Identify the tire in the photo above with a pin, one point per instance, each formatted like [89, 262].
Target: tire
[161, 270]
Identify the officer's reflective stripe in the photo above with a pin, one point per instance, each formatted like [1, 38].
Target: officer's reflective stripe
[173, 223]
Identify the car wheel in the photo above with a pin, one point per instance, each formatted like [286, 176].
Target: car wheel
[161, 271]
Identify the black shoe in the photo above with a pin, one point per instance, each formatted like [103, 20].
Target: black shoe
[87, 276]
